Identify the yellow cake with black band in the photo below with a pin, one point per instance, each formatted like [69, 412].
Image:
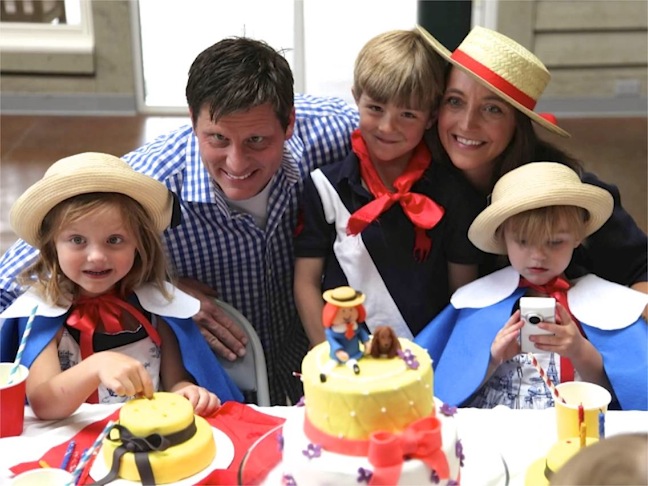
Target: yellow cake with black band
[162, 434]
[387, 394]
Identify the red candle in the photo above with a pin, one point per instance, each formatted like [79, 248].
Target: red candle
[581, 415]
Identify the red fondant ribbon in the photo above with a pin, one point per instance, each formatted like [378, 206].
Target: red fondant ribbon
[422, 211]
[421, 440]
[107, 309]
[493, 78]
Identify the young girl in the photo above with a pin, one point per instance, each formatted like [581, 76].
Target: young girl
[539, 214]
[108, 325]
[388, 219]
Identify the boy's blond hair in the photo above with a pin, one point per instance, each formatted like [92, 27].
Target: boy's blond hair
[540, 224]
[149, 266]
[400, 67]
[617, 460]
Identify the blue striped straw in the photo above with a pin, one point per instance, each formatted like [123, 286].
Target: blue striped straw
[87, 454]
[21, 348]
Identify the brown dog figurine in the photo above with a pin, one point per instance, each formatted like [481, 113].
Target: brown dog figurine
[384, 343]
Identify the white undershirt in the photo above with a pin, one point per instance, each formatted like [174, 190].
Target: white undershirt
[256, 206]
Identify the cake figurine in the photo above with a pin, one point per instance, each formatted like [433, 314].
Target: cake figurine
[342, 316]
[384, 343]
[158, 441]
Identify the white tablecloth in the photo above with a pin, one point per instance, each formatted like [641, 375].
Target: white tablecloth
[520, 436]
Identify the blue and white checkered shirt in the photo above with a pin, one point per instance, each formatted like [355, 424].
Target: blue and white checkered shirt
[249, 267]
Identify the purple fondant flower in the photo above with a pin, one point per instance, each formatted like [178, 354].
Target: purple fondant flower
[459, 452]
[313, 450]
[448, 410]
[288, 480]
[280, 441]
[409, 358]
[364, 475]
[434, 477]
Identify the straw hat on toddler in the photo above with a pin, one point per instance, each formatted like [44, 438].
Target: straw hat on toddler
[82, 174]
[537, 185]
[504, 67]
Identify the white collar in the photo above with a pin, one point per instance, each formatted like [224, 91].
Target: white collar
[592, 300]
[182, 305]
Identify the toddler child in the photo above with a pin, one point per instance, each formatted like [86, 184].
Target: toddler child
[108, 324]
[539, 213]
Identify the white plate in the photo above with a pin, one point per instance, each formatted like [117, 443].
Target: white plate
[224, 457]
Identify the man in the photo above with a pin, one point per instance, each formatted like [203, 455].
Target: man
[238, 172]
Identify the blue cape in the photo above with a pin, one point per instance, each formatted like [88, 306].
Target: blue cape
[459, 341]
[197, 357]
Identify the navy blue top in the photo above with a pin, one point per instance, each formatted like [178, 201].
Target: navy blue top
[419, 289]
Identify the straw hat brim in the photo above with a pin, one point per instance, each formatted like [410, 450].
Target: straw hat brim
[537, 185]
[337, 297]
[88, 173]
[447, 55]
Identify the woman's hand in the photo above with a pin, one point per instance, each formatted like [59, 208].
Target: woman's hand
[506, 344]
[221, 332]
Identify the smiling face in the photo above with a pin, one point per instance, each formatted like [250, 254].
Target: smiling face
[391, 133]
[243, 150]
[475, 126]
[96, 251]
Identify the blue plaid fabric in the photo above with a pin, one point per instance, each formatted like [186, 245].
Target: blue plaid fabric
[251, 268]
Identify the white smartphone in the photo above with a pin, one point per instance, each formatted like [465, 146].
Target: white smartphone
[533, 311]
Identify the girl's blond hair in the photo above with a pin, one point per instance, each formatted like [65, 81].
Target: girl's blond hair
[149, 266]
[540, 224]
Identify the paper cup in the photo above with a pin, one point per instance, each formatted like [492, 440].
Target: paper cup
[594, 398]
[47, 476]
[12, 400]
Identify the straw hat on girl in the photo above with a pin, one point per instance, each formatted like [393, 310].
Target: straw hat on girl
[537, 185]
[504, 67]
[82, 174]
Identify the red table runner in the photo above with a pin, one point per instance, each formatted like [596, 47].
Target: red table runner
[243, 425]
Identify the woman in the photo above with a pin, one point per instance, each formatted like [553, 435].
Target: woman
[484, 129]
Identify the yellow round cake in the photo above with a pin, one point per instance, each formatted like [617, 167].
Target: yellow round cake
[386, 395]
[540, 471]
[164, 414]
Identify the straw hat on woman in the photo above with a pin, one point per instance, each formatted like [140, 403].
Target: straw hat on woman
[485, 129]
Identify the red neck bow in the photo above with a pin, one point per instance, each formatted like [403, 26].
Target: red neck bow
[107, 309]
[420, 440]
[557, 288]
[422, 211]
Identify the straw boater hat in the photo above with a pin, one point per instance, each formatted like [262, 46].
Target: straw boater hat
[537, 185]
[504, 67]
[344, 297]
[82, 174]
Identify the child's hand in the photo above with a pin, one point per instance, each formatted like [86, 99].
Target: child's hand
[204, 402]
[566, 340]
[506, 345]
[122, 374]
